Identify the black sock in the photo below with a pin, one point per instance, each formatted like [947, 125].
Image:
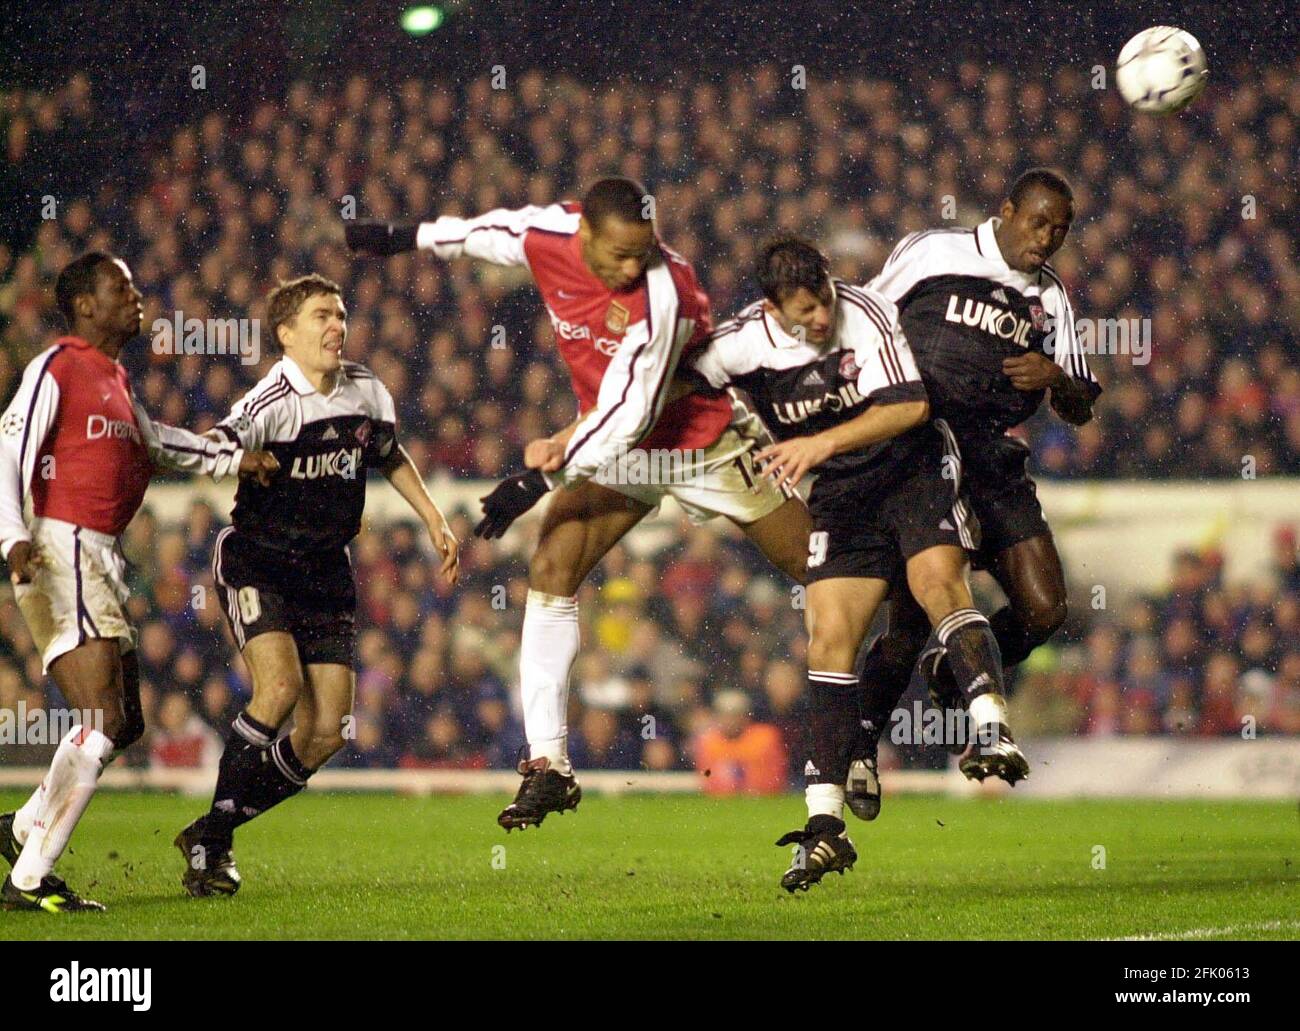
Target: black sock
[972, 653]
[241, 764]
[836, 721]
[884, 674]
[1014, 640]
[282, 776]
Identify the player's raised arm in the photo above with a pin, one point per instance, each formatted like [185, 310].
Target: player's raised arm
[496, 237]
[23, 429]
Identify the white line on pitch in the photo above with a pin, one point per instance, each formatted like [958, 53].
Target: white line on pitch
[1206, 932]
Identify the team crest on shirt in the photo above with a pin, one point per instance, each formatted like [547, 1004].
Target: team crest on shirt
[1038, 317]
[363, 433]
[849, 367]
[617, 317]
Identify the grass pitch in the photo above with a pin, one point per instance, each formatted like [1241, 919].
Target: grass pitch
[684, 867]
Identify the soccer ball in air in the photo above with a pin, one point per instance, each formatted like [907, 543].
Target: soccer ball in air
[1161, 69]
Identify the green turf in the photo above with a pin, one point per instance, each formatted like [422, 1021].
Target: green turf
[361, 866]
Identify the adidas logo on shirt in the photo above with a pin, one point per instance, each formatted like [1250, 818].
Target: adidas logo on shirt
[811, 771]
[1000, 295]
[330, 433]
[814, 378]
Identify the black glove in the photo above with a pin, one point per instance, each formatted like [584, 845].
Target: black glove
[369, 236]
[510, 499]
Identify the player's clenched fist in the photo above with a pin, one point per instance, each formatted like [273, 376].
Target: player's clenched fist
[259, 465]
[371, 236]
[24, 560]
[510, 499]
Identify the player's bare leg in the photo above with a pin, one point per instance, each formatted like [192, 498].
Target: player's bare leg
[256, 771]
[782, 537]
[838, 615]
[320, 717]
[1029, 573]
[91, 679]
[581, 524]
[938, 579]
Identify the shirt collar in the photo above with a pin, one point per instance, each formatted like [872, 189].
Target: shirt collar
[82, 344]
[987, 243]
[296, 377]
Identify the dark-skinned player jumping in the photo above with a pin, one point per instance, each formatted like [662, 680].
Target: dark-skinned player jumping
[993, 333]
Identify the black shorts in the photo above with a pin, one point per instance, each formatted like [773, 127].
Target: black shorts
[1002, 494]
[876, 536]
[260, 595]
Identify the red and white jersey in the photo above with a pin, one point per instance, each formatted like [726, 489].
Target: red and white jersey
[622, 347]
[75, 438]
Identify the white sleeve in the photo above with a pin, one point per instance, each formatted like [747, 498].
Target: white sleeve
[887, 369]
[254, 418]
[497, 237]
[890, 375]
[634, 387]
[23, 429]
[904, 268]
[1062, 341]
[727, 357]
[175, 448]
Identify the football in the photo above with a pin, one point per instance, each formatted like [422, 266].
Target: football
[1161, 69]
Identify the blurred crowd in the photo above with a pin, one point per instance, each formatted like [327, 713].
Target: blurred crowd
[1182, 222]
[693, 657]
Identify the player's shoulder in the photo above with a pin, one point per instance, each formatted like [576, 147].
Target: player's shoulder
[689, 288]
[868, 307]
[271, 390]
[57, 357]
[1048, 276]
[364, 381]
[925, 243]
[746, 325]
[555, 220]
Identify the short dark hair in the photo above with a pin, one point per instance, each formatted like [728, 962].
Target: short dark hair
[78, 277]
[286, 300]
[787, 263]
[617, 196]
[1043, 177]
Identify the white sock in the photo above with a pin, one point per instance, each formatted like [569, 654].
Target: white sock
[74, 772]
[549, 644]
[26, 815]
[988, 708]
[825, 800]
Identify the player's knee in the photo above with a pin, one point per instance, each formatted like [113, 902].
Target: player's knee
[936, 593]
[832, 640]
[1042, 620]
[281, 690]
[551, 572]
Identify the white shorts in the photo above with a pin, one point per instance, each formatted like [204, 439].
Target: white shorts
[720, 480]
[78, 591]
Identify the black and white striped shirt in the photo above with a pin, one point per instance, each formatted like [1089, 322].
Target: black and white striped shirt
[965, 310]
[800, 388]
[324, 444]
